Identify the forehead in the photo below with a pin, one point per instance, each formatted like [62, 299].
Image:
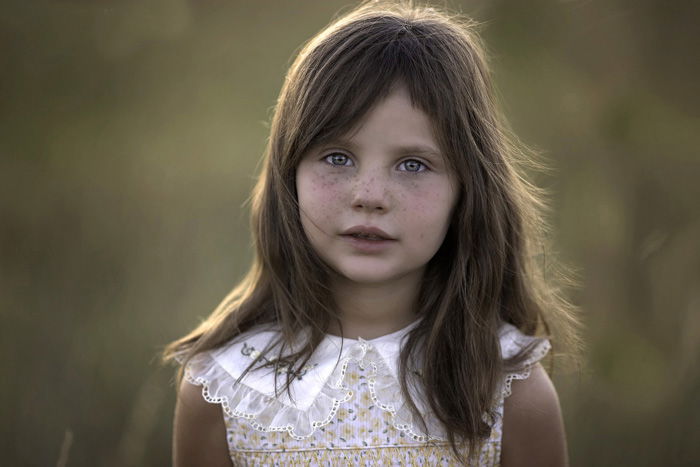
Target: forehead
[395, 120]
[391, 116]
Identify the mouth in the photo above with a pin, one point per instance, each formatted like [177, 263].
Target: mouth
[362, 232]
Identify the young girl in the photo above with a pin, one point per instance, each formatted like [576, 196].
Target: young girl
[392, 311]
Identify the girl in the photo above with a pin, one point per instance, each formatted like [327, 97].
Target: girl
[391, 313]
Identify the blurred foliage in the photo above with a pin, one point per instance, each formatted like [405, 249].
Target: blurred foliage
[130, 135]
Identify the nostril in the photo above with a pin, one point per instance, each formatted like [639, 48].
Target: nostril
[369, 207]
[370, 203]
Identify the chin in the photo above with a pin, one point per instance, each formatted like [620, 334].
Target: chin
[369, 276]
[368, 280]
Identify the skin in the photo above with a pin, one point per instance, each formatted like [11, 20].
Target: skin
[388, 174]
[370, 178]
[533, 429]
[199, 432]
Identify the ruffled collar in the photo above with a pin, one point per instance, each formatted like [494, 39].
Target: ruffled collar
[332, 354]
[318, 389]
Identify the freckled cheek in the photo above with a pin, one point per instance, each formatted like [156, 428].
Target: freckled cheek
[328, 190]
[320, 196]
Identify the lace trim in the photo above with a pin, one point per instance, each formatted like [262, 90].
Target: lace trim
[264, 412]
[383, 387]
[267, 413]
[537, 354]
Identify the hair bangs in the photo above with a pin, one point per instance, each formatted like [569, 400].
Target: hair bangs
[353, 70]
[483, 273]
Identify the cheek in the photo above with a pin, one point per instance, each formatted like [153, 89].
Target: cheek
[318, 196]
[429, 212]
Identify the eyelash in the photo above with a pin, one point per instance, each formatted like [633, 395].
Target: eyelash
[329, 158]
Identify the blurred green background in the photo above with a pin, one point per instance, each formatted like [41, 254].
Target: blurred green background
[130, 133]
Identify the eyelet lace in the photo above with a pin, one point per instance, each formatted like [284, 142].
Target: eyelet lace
[512, 342]
[267, 413]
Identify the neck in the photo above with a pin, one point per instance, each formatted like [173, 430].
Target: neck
[370, 310]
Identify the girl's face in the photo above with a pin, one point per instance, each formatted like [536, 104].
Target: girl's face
[376, 204]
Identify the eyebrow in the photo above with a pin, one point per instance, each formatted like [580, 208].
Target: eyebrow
[417, 149]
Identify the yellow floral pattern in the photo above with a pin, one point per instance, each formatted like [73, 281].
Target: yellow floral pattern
[360, 434]
[357, 416]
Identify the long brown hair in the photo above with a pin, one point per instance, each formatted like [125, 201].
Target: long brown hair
[486, 271]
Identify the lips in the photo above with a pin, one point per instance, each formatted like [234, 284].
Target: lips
[365, 232]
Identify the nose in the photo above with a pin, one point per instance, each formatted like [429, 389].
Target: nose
[371, 193]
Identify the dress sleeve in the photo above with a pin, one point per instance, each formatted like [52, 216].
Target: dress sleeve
[513, 341]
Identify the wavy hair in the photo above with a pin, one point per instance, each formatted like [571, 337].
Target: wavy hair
[487, 270]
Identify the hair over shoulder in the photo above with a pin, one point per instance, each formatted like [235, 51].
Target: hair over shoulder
[489, 268]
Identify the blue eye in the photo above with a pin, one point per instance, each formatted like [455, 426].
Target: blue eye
[338, 159]
[412, 165]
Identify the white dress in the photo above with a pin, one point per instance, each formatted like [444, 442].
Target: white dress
[344, 408]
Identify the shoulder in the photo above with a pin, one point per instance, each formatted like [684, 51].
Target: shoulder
[533, 430]
[199, 432]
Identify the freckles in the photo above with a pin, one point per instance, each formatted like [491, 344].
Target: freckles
[322, 182]
[328, 183]
[326, 190]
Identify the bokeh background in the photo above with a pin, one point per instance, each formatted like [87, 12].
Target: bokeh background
[130, 135]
